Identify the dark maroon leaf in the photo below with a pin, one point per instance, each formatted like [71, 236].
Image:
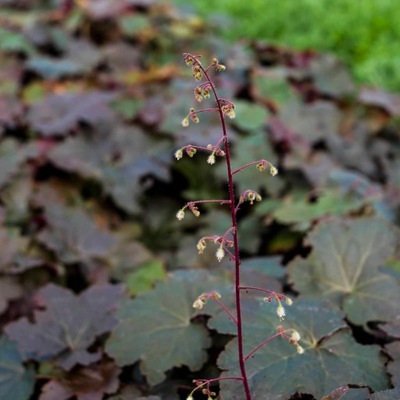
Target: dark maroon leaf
[59, 114]
[118, 162]
[15, 252]
[393, 350]
[74, 236]
[89, 383]
[9, 290]
[12, 157]
[388, 101]
[68, 325]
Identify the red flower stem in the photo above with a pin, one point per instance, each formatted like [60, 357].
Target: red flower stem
[262, 344]
[230, 254]
[222, 305]
[235, 242]
[249, 165]
[257, 289]
[197, 147]
[207, 201]
[205, 110]
[226, 378]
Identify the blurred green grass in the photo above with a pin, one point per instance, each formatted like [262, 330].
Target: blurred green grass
[364, 34]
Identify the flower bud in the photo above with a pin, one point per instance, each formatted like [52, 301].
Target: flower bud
[179, 154]
[185, 122]
[295, 336]
[215, 295]
[261, 166]
[206, 93]
[199, 303]
[193, 116]
[211, 159]
[300, 350]
[191, 151]
[220, 67]
[201, 245]
[280, 311]
[220, 253]
[198, 94]
[251, 196]
[195, 211]
[273, 170]
[180, 214]
[188, 60]
[288, 301]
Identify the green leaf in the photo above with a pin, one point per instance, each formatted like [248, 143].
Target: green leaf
[16, 381]
[128, 108]
[344, 268]
[393, 394]
[329, 203]
[144, 278]
[249, 116]
[68, 326]
[156, 327]
[271, 85]
[332, 358]
[393, 367]
[131, 25]
[15, 42]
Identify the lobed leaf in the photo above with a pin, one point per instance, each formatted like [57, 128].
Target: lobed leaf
[157, 328]
[332, 357]
[68, 325]
[16, 381]
[343, 267]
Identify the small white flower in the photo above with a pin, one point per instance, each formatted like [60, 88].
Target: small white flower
[231, 114]
[201, 245]
[211, 159]
[190, 397]
[295, 336]
[180, 214]
[300, 350]
[198, 303]
[273, 170]
[220, 254]
[280, 311]
[179, 154]
[185, 122]
[289, 301]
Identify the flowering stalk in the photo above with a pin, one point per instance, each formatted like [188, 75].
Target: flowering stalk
[229, 239]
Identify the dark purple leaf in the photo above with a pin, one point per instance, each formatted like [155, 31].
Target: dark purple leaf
[68, 325]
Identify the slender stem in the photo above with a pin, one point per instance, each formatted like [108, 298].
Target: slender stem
[226, 378]
[262, 344]
[257, 289]
[249, 165]
[222, 305]
[208, 201]
[235, 243]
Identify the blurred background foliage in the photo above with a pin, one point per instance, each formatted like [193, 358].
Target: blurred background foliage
[365, 34]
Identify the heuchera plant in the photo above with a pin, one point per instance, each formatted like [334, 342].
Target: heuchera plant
[228, 243]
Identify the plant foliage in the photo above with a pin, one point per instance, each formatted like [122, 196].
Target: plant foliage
[97, 279]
